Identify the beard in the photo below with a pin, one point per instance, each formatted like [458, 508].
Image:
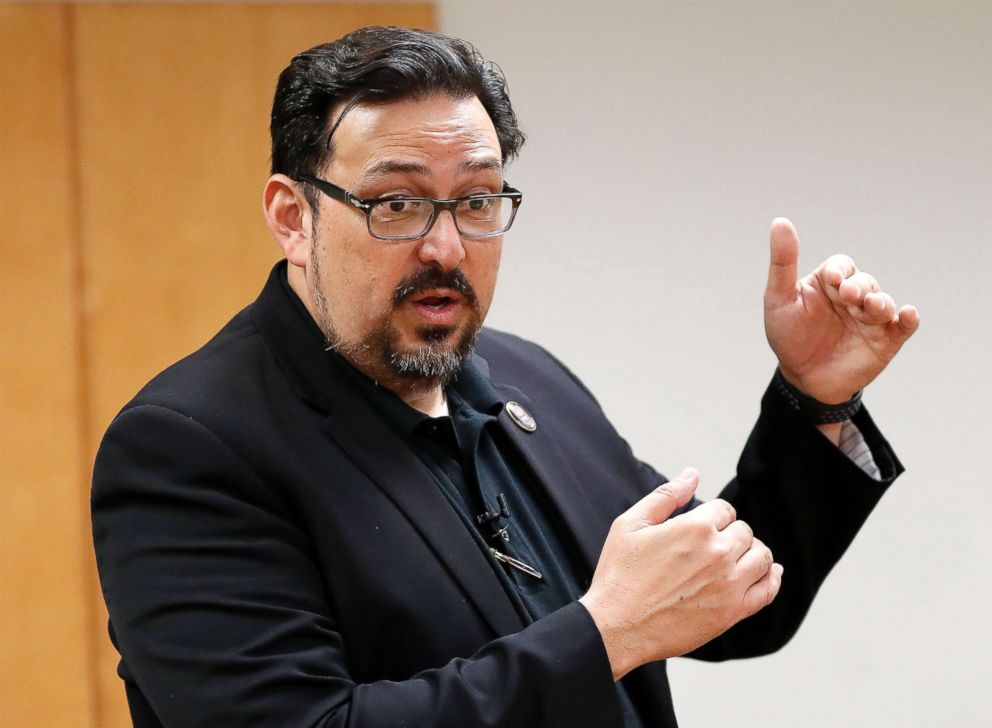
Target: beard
[437, 356]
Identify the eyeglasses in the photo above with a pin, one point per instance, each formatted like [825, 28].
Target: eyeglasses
[409, 218]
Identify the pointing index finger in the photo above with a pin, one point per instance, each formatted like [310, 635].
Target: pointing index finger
[784, 262]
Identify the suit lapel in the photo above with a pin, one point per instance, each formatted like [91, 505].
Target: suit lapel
[550, 466]
[388, 462]
[392, 466]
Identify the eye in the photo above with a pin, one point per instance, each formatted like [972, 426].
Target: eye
[399, 207]
[480, 208]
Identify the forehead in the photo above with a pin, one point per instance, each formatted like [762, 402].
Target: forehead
[436, 132]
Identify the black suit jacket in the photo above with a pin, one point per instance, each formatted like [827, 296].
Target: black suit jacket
[271, 554]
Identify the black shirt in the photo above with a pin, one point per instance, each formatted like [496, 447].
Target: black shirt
[490, 487]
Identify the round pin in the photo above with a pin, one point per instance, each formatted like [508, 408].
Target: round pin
[519, 414]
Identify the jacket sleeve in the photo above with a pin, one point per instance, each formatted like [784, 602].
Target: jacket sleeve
[218, 610]
[802, 496]
[806, 500]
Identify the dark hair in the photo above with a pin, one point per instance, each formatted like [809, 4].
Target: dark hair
[378, 64]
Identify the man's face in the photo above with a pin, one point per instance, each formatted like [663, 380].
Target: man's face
[406, 312]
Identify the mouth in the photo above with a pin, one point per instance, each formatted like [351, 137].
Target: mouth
[438, 306]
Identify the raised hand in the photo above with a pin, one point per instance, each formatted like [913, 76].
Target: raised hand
[834, 330]
[664, 586]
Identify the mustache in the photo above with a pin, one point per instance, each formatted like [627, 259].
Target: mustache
[426, 279]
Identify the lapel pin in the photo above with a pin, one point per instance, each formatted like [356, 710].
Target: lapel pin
[519, 414]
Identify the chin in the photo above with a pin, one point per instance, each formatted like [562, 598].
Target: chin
[437, 354]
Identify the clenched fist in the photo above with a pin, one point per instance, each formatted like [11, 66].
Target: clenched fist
[664, 586]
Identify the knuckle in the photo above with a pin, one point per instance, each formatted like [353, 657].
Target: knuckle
[725, 507]
[842, 261]
[764, 552]
[733, 580]
[693, 523]
[666, 490]
[748, 532]
[701, 530]
[720, 551]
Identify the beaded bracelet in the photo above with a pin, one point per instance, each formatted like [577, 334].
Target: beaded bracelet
[813, 410]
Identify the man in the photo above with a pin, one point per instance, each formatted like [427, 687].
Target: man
[352, 508]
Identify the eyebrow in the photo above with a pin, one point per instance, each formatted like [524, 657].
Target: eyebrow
[391, 166]
[483, 165]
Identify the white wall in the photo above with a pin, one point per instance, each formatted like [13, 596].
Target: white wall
[664, 137]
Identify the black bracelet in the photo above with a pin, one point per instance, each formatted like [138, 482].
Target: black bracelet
[813, 410]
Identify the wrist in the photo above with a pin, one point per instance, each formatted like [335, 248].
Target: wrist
[822, 390]
[834, 409]
[615, 638]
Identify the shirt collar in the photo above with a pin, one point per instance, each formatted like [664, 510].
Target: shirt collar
[470, 389]
[475, 389]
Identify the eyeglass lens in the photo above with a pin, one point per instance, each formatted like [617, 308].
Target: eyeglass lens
[478, 216]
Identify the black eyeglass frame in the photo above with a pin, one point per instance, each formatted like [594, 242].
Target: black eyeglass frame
[365, 205]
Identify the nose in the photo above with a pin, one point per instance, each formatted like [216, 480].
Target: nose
[442, 245]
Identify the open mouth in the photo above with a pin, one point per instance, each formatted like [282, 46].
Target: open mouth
[435, 302]
[437, 306]
[436, 298]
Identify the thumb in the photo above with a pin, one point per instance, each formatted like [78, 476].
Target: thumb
[783, 270]
[660, 503]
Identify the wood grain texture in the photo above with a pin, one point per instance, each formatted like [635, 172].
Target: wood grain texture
[45, 563]
[173, 109]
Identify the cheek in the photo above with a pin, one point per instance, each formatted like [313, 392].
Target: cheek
[361, 279]
[487, 267]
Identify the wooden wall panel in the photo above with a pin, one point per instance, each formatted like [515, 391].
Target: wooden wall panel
[173, 145]
[174, 104]
[45, 622]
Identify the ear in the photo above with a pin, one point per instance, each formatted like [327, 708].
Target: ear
[288, 216]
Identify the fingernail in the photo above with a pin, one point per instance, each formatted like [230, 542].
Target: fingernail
[688, 475]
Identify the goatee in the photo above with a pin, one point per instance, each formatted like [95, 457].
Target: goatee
[424, 366]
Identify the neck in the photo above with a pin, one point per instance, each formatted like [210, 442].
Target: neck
[431, 404]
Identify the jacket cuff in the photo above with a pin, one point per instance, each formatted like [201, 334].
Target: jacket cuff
[584, 678]
[774, 405]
